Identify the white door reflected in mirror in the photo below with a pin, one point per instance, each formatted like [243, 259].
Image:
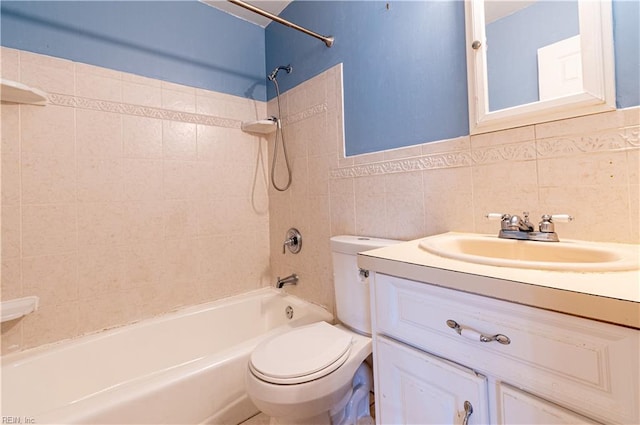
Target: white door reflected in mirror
[560, 69]
[531, 64]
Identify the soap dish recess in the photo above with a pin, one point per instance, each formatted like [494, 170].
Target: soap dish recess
[15, 309]
[266, 126]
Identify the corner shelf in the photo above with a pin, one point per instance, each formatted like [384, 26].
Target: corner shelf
[265, 126]
[15, 309]
[15, 92]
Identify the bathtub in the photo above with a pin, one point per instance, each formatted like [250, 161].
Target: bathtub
[185, 367]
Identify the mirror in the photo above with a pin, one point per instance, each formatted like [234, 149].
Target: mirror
[532, 61]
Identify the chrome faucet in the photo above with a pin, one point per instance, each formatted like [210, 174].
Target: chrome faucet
[289, 280]
[515, 227]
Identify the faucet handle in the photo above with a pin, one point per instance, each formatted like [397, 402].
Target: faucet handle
[496, 216]
[546, 225]
[565, 218]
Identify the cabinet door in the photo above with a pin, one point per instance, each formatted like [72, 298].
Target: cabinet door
[417, 388]
[519, 407]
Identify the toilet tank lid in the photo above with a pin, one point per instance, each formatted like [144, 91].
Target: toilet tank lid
[350, 244]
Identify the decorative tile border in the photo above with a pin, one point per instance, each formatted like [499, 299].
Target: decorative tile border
[611, 140]
[428, 162]
[515, 152]
[307, 113]
[141, 111]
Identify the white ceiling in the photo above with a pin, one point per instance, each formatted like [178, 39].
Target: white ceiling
[497, 9]
[274, 7]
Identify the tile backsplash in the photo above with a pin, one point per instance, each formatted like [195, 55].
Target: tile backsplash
[124, 198]
[127, 197]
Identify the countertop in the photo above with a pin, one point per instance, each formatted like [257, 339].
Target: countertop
[612, 297]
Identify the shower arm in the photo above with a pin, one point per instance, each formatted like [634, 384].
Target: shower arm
[328, 40]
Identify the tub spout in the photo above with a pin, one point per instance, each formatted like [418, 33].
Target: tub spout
[289, 280]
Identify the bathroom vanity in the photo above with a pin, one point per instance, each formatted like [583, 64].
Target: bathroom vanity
[464, 343]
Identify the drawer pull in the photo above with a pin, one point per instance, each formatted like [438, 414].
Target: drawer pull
[468, 410]
[477, 336]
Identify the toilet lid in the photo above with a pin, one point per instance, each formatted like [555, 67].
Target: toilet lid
[301, 355]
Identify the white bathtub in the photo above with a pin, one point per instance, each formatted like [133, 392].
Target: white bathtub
[185, 367]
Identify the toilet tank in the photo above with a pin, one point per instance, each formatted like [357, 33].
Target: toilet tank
[352, 289]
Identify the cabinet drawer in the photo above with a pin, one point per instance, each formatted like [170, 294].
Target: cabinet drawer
[582, 364]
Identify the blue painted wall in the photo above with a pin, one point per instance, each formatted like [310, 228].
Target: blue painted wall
[404, 67]
[185, 42]
[626, 36]
[512, 49]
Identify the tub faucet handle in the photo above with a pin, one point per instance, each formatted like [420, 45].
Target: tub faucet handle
[293, 241]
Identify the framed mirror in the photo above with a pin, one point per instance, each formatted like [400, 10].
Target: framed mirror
[536, 61]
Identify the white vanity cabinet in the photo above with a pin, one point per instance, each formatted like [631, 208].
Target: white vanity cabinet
[534, 367]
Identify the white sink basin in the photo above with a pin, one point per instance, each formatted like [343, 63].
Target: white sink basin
[574, 256]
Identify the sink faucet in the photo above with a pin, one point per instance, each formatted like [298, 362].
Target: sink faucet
[515, 227]
[289, 280]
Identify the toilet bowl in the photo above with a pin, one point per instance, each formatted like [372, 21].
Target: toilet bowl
[322, 359]
[317, 374]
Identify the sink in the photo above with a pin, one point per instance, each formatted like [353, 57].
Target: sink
[567, 255]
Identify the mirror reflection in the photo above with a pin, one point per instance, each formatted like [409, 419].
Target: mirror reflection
[533, 51]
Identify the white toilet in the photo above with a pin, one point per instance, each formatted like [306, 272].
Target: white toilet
[316, 374]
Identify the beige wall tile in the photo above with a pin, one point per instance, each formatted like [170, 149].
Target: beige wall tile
[47, 180]
[100, 179]
[592, 208]
[178, 100]
[11, 336]
[100, 223]
[48, 229]
[143, 221]
[48, 131]
[609, 168]
[181, 219]
[100, 271]
[11, 284]
[10, 130]
[99, 134]
[180, 179]
[142, 179]
[179, 140]
[580, 125]
[142, 137]
[50, 323]
[54, 278]
[10, 63]
[11, 236]
[11, 185]
[143, 264]
[141, 94]
[47, 73]
[105, 219]
[98, 83]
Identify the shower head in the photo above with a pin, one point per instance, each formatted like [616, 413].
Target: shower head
[274, 73]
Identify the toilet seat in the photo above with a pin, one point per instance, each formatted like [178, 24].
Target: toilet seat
[301, 355]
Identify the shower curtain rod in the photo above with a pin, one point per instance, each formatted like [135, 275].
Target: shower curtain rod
[328, 40]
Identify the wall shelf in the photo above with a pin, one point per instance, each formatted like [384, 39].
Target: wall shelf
[265, 126]
[15, 309]
[15, 92]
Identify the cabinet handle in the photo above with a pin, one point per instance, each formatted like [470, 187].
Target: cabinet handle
[477, 336]
[468, 410]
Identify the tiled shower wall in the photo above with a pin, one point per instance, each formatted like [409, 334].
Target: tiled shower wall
[124, 198]
[587, 167]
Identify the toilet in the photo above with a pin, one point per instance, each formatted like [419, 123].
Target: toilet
[317, 374]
